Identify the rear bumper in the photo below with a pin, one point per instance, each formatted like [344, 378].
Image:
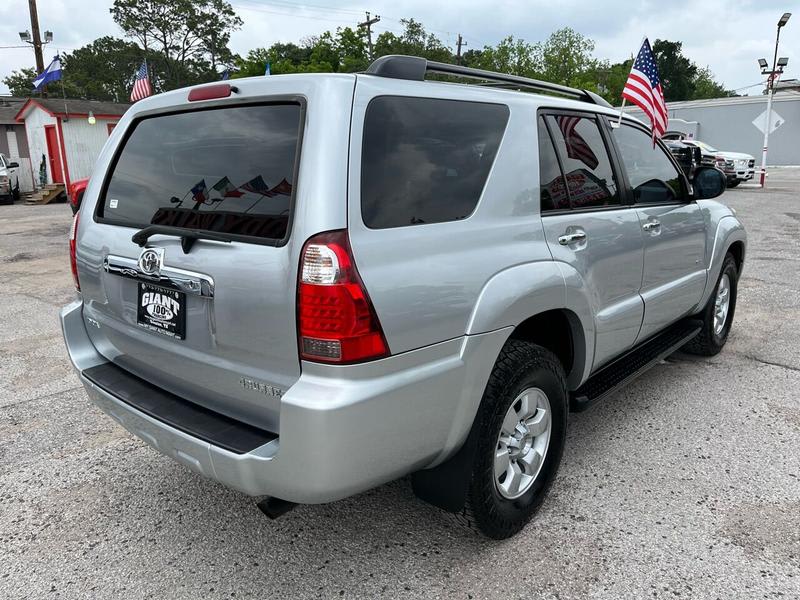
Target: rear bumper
[343, 429]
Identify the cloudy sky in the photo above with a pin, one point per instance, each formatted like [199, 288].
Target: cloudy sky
[726, 35]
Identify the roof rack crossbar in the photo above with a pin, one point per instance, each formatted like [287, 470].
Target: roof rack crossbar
[415, 68]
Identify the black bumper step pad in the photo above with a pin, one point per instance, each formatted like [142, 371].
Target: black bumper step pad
[193, 419]
[633, 363]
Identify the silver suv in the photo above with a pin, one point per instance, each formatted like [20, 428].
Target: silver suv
[305, 286]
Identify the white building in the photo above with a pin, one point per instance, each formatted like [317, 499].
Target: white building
[61, 138]
[737, 124]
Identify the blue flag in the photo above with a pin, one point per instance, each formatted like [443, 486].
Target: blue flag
[50, 74]
[226, 74]
[267, 72]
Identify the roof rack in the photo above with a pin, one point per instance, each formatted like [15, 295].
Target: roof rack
[414, 68]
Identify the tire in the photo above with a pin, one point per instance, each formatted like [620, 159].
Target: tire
[734, 183]
[16, 192]
[711, 339]
[7, 199]
[521, 367]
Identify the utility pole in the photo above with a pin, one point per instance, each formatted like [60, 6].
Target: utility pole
[460, 43]
[37, 40]
[368, 24]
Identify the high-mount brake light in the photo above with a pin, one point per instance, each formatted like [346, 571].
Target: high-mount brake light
[336, 321]
[211, 92]
[73, 250]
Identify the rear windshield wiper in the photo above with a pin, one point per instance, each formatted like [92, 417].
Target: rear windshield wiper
[188, 236]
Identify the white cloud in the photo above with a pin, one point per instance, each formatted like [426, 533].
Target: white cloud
[728, 36]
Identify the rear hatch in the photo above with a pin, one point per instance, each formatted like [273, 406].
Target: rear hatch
[210, 320]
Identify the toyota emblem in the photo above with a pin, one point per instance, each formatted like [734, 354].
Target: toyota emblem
[151, 261]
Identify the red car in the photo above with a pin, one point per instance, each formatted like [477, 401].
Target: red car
[76, 190]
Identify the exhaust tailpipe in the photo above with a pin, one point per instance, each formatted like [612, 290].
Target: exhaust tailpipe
[275, 507]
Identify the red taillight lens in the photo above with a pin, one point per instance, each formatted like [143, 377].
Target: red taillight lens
[336, 321]
[73, 250]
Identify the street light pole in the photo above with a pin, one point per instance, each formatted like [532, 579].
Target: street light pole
[771, 89]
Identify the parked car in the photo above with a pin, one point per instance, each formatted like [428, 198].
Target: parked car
[737, 166]
[76, 191]
[304, 308]
[9, 180]
[688, 157]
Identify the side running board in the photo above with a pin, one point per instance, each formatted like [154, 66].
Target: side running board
[633, 363]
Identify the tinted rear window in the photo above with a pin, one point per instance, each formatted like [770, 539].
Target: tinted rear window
[426, 160]
[229, 170]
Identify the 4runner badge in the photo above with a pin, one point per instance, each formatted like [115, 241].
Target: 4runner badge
[257, 386]
[150, 261]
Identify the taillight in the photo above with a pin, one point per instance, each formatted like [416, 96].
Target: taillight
[336, 321]
[73, 250]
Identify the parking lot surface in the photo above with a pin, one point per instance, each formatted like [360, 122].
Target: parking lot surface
[684, 485]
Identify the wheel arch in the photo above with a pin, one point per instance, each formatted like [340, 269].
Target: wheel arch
[538, 299]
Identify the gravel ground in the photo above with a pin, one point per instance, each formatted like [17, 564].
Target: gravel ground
[686, 484]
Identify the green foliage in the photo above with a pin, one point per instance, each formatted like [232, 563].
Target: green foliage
[20, 83]
[186, 42]
[512, 55]
[102, 70]
[342, 52]
[676, 71]
[705, 87]
[414, 40]
[566, 57]
[189, 37]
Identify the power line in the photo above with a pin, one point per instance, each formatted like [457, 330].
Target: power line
[305, 6]
[291, 15]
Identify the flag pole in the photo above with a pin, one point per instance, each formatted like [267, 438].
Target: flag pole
[624, 100]
[63, 93]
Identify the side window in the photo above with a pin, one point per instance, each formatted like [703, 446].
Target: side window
[553, 188]
[653, 177]
[426, 160]
[587, 167]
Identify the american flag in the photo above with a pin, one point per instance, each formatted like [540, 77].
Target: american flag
[577, 148]
[141, 87]
[643, 88]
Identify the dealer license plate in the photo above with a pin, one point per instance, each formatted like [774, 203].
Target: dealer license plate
[161, 310]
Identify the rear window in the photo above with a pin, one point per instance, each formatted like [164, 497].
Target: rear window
[229, 170]
[426, 160]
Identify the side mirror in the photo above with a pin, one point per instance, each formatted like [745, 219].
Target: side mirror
[708, 182]
[13, 165]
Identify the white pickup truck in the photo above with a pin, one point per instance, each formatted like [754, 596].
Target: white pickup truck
[9, 180]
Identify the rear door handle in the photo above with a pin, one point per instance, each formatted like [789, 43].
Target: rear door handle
[651, 225]
[571, 238]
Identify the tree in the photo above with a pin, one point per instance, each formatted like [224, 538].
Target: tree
[190, 37]
[705, 86]
[612, 78]
[566, 57]
[342, 52]
[20, 83]
[512, 55]
[414, 41]
[103, 70]
[677, 72]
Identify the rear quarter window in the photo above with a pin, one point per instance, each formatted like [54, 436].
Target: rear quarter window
[228, 170]
[426, 160]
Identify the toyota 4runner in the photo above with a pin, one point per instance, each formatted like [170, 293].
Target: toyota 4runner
[305, 286]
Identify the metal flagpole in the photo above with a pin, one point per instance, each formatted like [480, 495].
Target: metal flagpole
[624, 100]
[63, 93]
